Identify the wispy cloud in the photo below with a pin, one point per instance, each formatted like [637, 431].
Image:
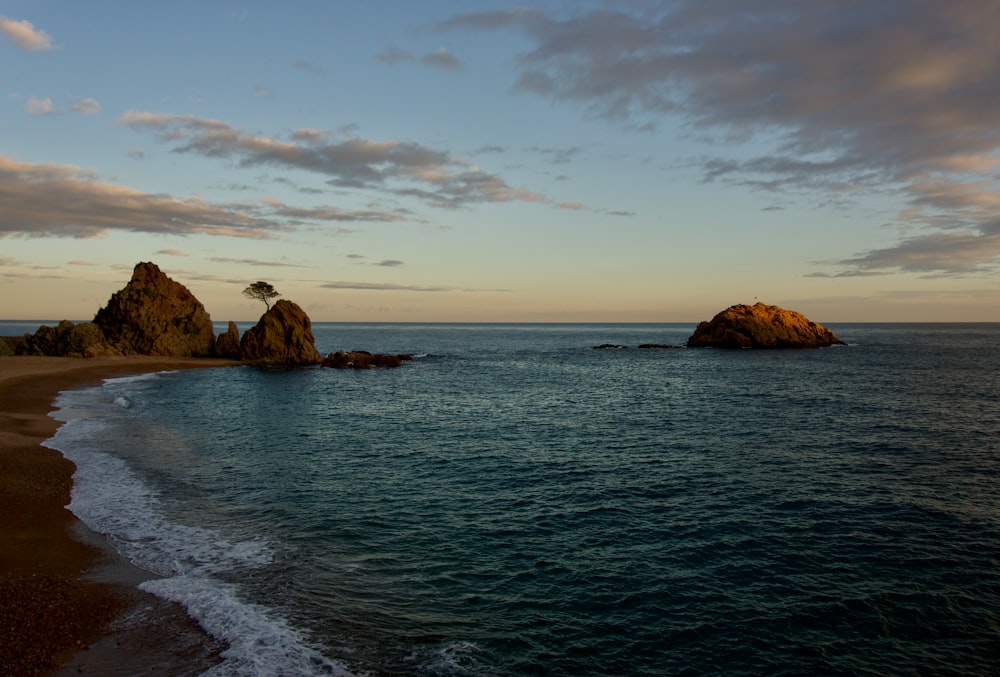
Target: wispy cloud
[87, 106]
[308, 67]
[895, 95]
[556, 156]
[66, 201]
[330, 213]
[401, 168]
[24, 35]
[385, 286]
[171, 252]
[257, 262]
[440, 59]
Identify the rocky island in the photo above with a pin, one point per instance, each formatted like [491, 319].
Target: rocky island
[157, 316]
[761, 326]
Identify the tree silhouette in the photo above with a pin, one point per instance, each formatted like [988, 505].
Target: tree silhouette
[261, 291]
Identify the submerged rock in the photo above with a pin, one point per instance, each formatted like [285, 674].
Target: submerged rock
[282, 337]
[153, 315]
[362, 359]
[761, 326]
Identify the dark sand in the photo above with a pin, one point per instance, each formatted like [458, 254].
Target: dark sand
[68, 605]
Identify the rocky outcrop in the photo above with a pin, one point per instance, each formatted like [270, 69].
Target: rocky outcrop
[282, 337]
[761, 326]
[153, 315]
[228, 343]
[362, 359]
[68, 340]
[641, 346]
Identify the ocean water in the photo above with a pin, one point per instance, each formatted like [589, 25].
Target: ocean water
[514, 502]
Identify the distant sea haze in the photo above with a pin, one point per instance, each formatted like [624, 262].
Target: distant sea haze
[514, 502]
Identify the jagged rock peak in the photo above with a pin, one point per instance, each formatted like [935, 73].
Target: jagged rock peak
[154, 315]
[282, 337]
[761, 326]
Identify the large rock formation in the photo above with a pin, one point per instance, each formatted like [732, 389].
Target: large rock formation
[761, 326]
[153, 315]
[68, 340]
[282, 337]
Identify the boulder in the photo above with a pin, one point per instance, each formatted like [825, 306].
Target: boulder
[282, 337]
[153, 315]
[362, 359]
[228, 343]
[761, 326]
[68, 340]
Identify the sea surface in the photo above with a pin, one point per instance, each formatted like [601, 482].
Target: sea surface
[515, 502]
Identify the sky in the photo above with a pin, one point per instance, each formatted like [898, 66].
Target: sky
[456, 161]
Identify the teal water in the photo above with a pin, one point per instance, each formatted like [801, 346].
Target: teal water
[513, 502]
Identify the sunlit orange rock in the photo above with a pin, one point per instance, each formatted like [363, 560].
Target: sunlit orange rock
[761, 326]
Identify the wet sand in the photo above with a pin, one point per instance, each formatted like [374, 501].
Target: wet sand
[68, 605]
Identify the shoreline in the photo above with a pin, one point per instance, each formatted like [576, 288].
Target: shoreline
[68, 603]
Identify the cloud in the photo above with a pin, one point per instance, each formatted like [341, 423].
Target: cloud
[65, 201]
[329, 213]
[262, 92]
[394, 55]
[308, 67]
[897, 96]
[381, 286]
[443, 60]
[36, 106]
[171, 252]
[556, 156]
[256, 262]
[389, 263]
[402, 168]
[938, 253]
[87, 106]
[24, 35]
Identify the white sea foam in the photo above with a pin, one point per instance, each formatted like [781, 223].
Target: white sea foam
[459, 658]
[112, 499]
[259, 644]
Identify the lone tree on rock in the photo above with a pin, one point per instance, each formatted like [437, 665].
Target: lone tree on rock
[261, 291]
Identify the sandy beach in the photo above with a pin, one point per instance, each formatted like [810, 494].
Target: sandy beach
[67, 604]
